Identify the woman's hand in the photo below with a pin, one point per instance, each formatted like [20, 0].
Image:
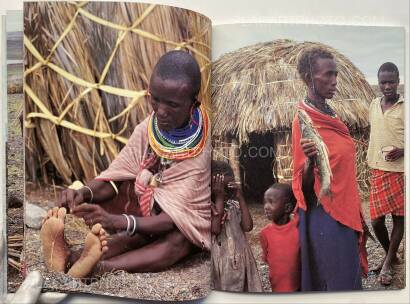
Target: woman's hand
[70, 198]
[308, 147]
[93, 214]
[308, 177]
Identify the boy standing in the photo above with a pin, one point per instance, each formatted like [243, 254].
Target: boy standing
[385, 158]
[280, 239]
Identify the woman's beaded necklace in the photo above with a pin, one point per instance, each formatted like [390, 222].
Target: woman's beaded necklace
[181, 143]
[326, 110]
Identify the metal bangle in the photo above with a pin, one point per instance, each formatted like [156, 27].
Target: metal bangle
[114, 187]
[135, 225]
[92, 194]
[128, 222]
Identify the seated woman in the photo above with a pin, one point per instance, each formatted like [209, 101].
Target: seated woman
[154, 199]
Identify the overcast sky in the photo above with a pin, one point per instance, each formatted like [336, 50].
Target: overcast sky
[366, 46]
[14, 21]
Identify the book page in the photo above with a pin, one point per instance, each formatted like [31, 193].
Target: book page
[94, 73]
[261, 82]
[15, 147]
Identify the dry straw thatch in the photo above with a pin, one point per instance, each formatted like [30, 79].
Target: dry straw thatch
[255, 90]
[87, 70]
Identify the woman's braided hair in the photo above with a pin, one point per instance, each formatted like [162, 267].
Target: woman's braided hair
[308, 59]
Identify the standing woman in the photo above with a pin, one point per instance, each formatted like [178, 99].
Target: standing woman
[330, 228]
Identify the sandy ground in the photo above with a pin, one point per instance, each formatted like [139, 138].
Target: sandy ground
[15, 189]
[184, 281]
[187, 280]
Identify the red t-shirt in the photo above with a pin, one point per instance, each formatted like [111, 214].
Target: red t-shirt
[281, 250]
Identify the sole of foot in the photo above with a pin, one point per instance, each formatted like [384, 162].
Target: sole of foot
[94, 246]
[54, 246]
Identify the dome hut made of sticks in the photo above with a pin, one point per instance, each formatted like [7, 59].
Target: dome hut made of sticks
[254, 93]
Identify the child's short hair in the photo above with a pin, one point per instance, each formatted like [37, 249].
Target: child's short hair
[287, 191]
[221, 167]
[388, 67]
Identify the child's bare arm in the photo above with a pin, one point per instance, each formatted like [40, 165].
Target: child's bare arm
[218, 209]
[216, 220]
[246, 219]
[264, 246]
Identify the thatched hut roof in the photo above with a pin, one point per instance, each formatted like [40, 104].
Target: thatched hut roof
[256, 88]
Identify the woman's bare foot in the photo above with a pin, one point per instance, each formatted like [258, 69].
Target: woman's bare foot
[94, 246]
[55, 249]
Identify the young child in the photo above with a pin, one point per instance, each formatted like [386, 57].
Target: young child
[280, 239]
[233, 265]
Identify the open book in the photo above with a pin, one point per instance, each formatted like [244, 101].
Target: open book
[122, 104]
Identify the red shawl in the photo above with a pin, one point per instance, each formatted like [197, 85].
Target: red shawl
[344, 205]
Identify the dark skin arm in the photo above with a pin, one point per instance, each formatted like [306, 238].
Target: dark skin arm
[102, 191]
[308, 178]
[155, 224]
[246, 219]
[92, 213]
[217, 209]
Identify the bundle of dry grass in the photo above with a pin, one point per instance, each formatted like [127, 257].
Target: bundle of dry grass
[14, 247]
[86, 77]
[256, 88]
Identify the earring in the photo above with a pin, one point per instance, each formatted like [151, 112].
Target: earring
[192, 119]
